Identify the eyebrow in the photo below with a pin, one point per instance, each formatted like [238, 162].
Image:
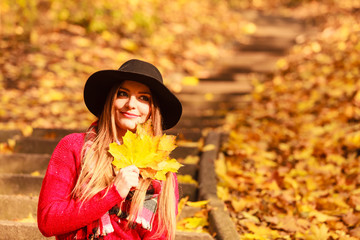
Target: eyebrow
[149, 93]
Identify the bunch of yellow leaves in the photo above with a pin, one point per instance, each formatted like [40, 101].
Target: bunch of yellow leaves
[149, 153]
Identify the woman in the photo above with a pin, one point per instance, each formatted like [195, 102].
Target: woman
[82, 197]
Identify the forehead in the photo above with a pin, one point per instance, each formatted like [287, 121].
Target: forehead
[134, 86]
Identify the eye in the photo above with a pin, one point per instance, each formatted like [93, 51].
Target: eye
[145, 98]
[122, 94]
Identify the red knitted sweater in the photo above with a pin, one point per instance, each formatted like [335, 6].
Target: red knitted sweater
[60, 215]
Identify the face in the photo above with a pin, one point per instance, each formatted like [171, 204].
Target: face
[132, 106]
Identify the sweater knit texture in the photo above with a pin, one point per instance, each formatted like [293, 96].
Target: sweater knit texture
[62, 216]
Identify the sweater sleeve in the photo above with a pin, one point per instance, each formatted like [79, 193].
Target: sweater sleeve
[58, 212]
[147, 235]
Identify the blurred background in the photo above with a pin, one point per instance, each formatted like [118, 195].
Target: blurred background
[50, 47]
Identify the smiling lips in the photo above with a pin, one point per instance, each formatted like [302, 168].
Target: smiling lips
[129, 115]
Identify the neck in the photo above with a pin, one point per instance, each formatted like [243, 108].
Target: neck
[121, 134]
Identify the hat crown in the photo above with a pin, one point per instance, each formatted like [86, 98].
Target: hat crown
[142, 68]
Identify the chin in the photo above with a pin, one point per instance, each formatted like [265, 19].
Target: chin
[126, 125]
[132, 129]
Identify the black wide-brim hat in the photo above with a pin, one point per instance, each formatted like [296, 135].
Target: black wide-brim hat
[100, 83]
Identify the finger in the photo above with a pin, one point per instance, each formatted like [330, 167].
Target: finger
[132, 168]
[128, 169]
[135, 169]
[134, 178]
[131, 179]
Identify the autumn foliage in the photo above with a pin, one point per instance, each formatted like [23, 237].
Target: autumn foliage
[291, 166]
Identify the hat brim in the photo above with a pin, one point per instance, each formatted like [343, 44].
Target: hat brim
[100, 83]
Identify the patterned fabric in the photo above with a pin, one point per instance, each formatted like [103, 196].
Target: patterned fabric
[101, 227]
[147, 214]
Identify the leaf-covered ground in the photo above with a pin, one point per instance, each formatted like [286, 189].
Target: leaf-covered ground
[291, 166]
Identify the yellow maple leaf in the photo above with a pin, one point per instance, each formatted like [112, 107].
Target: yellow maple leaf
[35, 173]
[190, 159]
[186, 179]
[198, 203]
[27, 131]
[250, 217]
[190, 81]
[208, 147]
[186, 143]
[147, 152]
[181, 204]
[29, 219]
[239, 205]
[262, 232]
[318, 232]
[322, 217]
[167, 143]
[193, 223]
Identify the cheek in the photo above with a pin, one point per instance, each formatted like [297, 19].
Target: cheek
[118, 104]
[145, 110]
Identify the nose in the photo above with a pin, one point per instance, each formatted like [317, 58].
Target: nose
[131, 102]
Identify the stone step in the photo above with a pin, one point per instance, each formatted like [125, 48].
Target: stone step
[201, 118]
[11, 230]
[205, 108]
[223, 87]
[267, 44]
[188, 189]
[188, 211]
[274, 25]
[35, 145]
[205, 100]
[189, 169]
[7, 134]
[14, 207]
[25, 184]
[215, 97]
[53, 133]
[259, 62]
[201, 123]
[192, 236]
[182, 152]
[20, 184]
[188, 134]
[24, 163]
[209, 109]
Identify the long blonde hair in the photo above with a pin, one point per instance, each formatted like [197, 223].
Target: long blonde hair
[97, 174]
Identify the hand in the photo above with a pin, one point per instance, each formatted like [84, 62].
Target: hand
[125, 179]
